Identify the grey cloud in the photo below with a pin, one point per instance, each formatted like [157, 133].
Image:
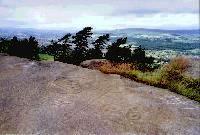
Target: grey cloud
[51, 12]
[120, 5]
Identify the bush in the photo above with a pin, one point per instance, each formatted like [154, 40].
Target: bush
[186, 89]
[175, 69]
[170, 76]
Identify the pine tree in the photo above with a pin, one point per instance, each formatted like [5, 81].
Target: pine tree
[81, 42]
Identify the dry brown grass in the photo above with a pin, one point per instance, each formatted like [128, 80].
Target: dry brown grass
[170, 76]
[119, 68]
[175, 69]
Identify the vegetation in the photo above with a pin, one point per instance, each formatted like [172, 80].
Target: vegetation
[120, 68]
[118, 54]
[141, 61]
[46, 57]
[171, 76]
[26, 48]
[135, 64]
[75, 49]
[81, 45]
[99, 45]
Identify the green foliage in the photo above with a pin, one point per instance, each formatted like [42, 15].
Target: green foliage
[74, 49]
[80, 39]
[26, 48]
[101, 41]
[171, 76]
[185, 89]
[99, 44]
[151, 78]
[64, 51]
[139, 55]
[60, 49]
[143, 62]
[53, 48]
[94, 53]
[124, 55]
[4, 45]
[118, 54]
[46, 57]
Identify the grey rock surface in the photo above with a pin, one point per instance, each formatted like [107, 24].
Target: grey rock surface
[57, 98]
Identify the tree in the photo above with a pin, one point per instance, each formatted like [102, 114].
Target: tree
[52, 48]
[118, 54]
[81, 42]
[99, 44]
[13, 48]
[139, 55]
[141, 61]
[33, 48]
[64, 50]
[26, 48]
[101, 41]
[4, 43]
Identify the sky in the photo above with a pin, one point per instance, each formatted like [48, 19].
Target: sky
[100, 14]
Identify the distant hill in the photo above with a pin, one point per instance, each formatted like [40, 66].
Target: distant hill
[128, 30]
[171, 41]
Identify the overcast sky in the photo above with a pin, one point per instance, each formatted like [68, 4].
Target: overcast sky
[100, 14]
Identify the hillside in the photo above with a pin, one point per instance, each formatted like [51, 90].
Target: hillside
[58, 98]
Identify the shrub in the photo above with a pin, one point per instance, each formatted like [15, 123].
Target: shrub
[183, 88]
[175, 69]
[171, 76]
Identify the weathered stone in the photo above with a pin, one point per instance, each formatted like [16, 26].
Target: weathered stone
[57, 98]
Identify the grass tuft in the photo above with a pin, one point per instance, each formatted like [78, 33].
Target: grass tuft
[46, 57]
[113, 68]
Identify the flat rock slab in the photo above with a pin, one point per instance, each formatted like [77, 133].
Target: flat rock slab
[57, 98]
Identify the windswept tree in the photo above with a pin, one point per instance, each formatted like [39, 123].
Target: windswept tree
[64, 51]
[52, 49]
[139, 55]
[99, 45]
[14, 47]
[141, 60]
[118, 54]
[101, 41]
[81, 42]
[33, 48]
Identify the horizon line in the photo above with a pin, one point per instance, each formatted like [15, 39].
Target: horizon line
[73, 29]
